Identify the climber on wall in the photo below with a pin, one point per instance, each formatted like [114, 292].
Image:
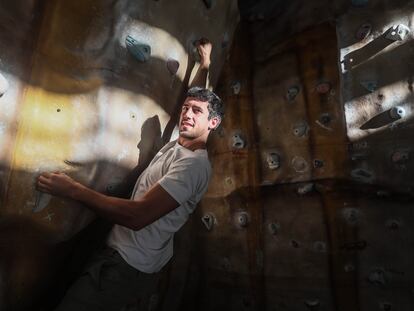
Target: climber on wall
[165, 194]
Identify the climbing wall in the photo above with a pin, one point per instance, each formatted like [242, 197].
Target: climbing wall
[310, 203]
[82, 84]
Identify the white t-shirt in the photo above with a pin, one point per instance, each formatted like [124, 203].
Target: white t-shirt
[184, 174]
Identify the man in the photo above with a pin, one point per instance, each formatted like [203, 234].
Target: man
[166, 193]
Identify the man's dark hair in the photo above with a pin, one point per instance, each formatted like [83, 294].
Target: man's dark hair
[215, 105]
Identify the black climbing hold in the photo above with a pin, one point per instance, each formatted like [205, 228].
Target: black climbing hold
[172, 66]
[58, 110]
[294, 243]
[325, 119]
[140, 51]
[208, 3]
[318, 163]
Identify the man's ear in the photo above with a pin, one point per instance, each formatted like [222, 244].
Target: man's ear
[214, 123]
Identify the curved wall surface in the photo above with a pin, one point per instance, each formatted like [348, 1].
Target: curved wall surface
[76, 99]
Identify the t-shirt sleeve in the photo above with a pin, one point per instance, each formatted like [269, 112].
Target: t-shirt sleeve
[185, 177]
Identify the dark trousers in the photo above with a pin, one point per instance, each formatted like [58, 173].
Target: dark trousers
[109, 283]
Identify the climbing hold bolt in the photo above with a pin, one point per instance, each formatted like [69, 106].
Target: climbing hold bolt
[397, 32]
[273, 160]
[397, 112]
[4, 85]
[172, 66]
[141, 51]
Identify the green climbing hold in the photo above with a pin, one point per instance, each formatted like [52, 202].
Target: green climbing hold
[140, 51]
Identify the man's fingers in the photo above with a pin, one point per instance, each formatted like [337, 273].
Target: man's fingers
[43, 187]
[203, 41]
[43, 179]
[46, 174]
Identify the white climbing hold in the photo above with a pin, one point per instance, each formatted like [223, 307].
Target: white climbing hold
[4, 85]
[397, 112]
[208, 220]
[397, 32]
[238, 142]
[273, 160]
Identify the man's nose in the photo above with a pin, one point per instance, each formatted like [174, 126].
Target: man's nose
[188, 113]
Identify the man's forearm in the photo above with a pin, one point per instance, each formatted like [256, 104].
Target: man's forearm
[200, 79]
[120, 211]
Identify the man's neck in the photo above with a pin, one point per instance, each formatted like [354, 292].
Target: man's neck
[192, 144]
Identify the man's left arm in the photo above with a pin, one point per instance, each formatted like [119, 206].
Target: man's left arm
[133, 214]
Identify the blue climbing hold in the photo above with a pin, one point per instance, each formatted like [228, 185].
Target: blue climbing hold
[140, 51]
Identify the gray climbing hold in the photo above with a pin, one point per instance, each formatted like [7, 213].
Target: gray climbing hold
[393, 224]
[301, 129]
[377, 277]
[319, 246]
[4, 85]
[400, 156]
[312, 303]
[292, 92]
[397, 32]
[306, 188]
[397, 112]
[363, 31]
[274, 228]
[236, 87]
[237, 142]
[370, 85]
[42, 201]
[385, 306]
[361, 174]
[208, 221]
[299, 164]
[172, 66]
[242, 219]
[351, 215]
[140, 51]
[273, 160]
[208, 3]
[349, 267]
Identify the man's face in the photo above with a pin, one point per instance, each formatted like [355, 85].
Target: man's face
[194, 122]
